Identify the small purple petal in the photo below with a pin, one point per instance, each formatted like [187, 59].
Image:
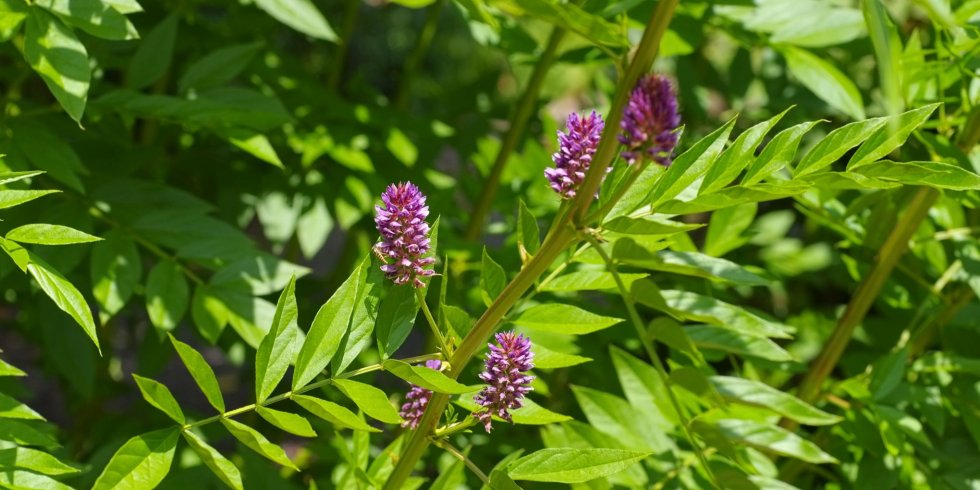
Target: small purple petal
[506, 383]
[650, 121]
[404, 234]
[416, 400]
[575, 150]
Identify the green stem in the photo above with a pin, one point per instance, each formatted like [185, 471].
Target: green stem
[432, 323]
[517, 129]
[652, 354]
[444, 432]
[646, 52]
[559, 237]
[462, 457]
[343, 44]
[600, 214]
[426, 35]
[310, 387]
[891, 251]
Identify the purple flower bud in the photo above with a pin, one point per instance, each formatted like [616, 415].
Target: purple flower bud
[404, 234]
[575, 150]
[650, 121]
[416, 400]
[504, 375]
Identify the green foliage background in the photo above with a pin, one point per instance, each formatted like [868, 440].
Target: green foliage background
[190, 301]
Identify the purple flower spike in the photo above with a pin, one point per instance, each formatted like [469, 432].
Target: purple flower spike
[504, 374]
[650, 121]
[416, 400]
[575, 150]
[404, 234]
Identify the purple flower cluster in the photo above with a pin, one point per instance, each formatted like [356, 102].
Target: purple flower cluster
[575, 150]
[416, 400]
[504, 374]
[404, 234]
[650, 121]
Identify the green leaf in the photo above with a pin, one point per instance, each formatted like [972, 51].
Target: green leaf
[34, 460]
[218, 67]
[700, 265]
[333, 413]
[9, 198]
[372, 401]
[219, 465]
[26, 433]
[289, 422]
[567, 16]
[425, 377]
[65, 295]
[255, 441]
[8, 370]
[10, 408]
[643, 386]
[401, 147]
[43, 234]
[252, 142]
[837, 143]
[723, 339]
[278, 348]
[932, 174]
[649, 226]
[48, 151]
[328, 329]
[726, 230]
[737, 156]
[528, 235]
[529, 414]
[589, 281]
[414, 4]
[778, 153]
[154, 54]
[167, 295]
[17, 480]
[201, 372]
[890, 136]
[92, 16]
[637, 427]
[141, 463]
[300, 15]
[395, 317]
[734, 196]
[116, 270]
[766, 437]
[124, 6]
[56, 54]
[888, 53]
[888, 373]
[493, 279]
[707, 309]
[8, 177]
[545, 358]
[363, 317]
[691, 165]
[566, 465]
[160, 397]
[755, 393]
[824, 80]
[565, 319]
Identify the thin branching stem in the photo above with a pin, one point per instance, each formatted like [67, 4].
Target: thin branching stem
[462, 457]
[652, 353]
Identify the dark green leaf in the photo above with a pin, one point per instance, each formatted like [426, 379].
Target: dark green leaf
[154, 54]
[493, 279]
[116, 270]
[218, 67]
[528, 236]
[167, 295]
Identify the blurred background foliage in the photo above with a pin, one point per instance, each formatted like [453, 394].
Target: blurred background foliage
[220, 147]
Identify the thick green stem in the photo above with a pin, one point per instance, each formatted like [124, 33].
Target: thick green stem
[652, 354]
[559, 237]
[426, 35]
[516, 131]
[646, 51]
[891, 251]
